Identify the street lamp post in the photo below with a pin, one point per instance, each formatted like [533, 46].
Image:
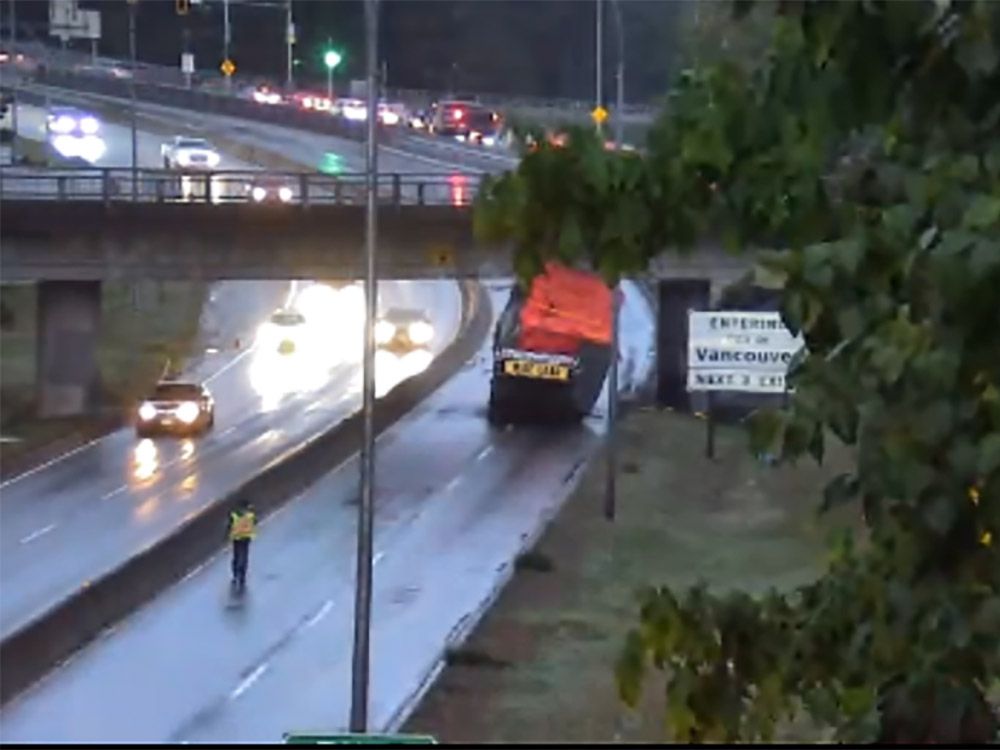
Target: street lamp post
[131, 91]
[599, 60]
[225, 40]
[14, 104]
[363, 580]
[620, 76]
[331, 58]
[289, 41]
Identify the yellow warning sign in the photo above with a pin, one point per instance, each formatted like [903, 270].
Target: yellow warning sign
[228, 67]
[600, 114]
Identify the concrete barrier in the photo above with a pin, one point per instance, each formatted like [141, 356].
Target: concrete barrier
[31, 652]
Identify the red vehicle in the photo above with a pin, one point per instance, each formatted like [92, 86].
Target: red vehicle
[312, 100]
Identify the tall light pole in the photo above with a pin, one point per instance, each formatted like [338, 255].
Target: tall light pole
[599, 59]
[331, 58]
[14, 104]
[225, 40]
[289, 41]
[620, 76]
[363, 580]
[131, 91]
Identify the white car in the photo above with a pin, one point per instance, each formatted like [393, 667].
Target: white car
[184, 152]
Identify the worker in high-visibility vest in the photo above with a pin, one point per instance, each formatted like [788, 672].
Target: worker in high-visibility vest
[242, 528]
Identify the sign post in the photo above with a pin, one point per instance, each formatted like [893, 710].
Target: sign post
[747, 352]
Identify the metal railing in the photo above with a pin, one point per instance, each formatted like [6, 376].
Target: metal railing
[115, 185]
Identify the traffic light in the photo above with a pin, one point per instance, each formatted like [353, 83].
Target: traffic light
[332, 58]
[183, 7]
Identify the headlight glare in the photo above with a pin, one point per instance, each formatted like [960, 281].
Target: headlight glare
[89, 125]
[188, 412]
[285, 193]
[147, 412]
[384, 331]
[63, 124]
[421, 332]
[259, 193]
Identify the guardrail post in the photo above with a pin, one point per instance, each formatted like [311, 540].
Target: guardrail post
[420, 193]
[106, 185]
[208, 187]
[304, 189]
[159, 188]
[61, 187]
[337, 190]
[397, 190]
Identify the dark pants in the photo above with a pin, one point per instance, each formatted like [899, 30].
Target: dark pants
[241, 557]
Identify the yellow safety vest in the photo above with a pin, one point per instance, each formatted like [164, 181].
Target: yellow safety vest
[243, 525]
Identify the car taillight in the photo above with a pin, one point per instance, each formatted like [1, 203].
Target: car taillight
[457, 114]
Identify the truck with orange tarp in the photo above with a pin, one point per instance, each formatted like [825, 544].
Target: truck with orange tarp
[551, 348]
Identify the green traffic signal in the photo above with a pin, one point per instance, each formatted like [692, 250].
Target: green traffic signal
[332, 58]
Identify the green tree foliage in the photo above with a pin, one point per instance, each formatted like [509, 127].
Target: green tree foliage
[866, 146]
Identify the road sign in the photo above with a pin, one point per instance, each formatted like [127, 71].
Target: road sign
[600, 114]
[228, 67]
[359, 739]
[739, 351]
[187, 62]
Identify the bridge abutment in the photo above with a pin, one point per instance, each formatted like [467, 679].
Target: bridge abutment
[69, 322]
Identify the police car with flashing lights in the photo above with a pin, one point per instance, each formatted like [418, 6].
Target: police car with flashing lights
[175, 406]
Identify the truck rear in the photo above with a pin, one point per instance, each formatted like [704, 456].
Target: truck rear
[551, 348]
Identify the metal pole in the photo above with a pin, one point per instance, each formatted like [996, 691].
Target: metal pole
[363, 592]
[329, 83]
[15, 77]
[620, 98]
[611, 470]
[288, 42]
[131, 91]
[599, 57]
[225, 40]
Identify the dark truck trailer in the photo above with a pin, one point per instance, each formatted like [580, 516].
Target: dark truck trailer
[551, 349]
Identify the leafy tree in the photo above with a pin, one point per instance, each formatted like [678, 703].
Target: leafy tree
[866, 146]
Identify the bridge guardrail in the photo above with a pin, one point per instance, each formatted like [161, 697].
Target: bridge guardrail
[264, 188]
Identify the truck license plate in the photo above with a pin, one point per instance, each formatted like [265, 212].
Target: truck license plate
[542, 370]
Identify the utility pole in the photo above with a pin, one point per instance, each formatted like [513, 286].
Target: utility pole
[599, 57]
[131, 91]
[289, 41]
[363, 581]
[14, 104]
[620, 77]
[611, 454]
[225, 40]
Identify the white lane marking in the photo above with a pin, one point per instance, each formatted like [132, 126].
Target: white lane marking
[377, 558]
[453, 484]
[197, 569]
[35, 534]
[248, 681]
[293, 288]
[484, 452]
[109, 495]
[323, 612]
[227, 431]
[52, 462]
[229, 364]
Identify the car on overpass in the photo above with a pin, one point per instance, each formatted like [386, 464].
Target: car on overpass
[485, 128]
[186, 152]
[176, 406]
[451, 117]
[267, 188]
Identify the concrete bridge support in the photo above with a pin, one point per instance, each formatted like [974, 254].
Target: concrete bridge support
[67, 372]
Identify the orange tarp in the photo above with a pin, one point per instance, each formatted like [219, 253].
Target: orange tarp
[564, 307]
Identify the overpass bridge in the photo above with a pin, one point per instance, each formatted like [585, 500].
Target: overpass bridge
[96, 224]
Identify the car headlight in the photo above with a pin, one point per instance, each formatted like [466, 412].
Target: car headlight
[147, 412]
[390, 118]
[258, 193]
[90, 125]
[213, 159]
[184, 158]
[384, 331]
[285, 193]
[188, 412]
[63, 124]
[421, 332]
[488, 140]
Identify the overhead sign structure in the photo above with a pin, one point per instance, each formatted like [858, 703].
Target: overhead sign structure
[228, 67]
[67, 21]
[600, 114]
[359, 739]
[739, 351]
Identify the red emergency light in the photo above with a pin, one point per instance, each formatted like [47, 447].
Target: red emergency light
[457, 114]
